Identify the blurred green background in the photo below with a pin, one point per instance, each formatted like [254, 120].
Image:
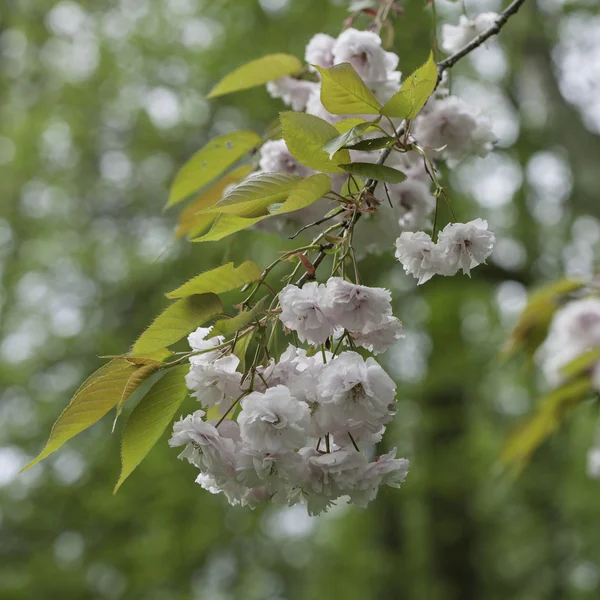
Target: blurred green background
[100, 102]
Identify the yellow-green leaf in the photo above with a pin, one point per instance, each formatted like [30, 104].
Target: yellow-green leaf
[229, 326]
[532, 327]
[375, 171]
[209, 162]
[150, 418]
[338, 142]
[135, 380]
[377, 143]
[551, 412]
[252, 197]
[100, 392]
[414, 93]
[178, 320]
[347, 124]
[219, 280]
[305, 136]
[190, 222]
[241, 347]
[257, 72]
[306, 192]
[343, 92]
[584, 363]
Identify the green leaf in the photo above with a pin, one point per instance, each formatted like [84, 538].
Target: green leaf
[375, 171]
[373, 144]
[532, 327]
[225, 225]
[135, 380]
[210, 162]
[219, 280]
[230, 326]
[257, 72]
[100, 392]
[582, 364]
[343, 92]
[150, 418]
[338, 142]
[414, 93]
[241, 347]
[306, 192]
[190, 222]
[347, 124]
[252, 197]
[178, 320]
[305, 136]
[551, 412]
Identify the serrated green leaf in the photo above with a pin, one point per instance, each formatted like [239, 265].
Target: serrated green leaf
[229, 326]
[375, 171]
[135, 380]
[257, 72]
[252, 197]
[225, 225]
[190, 222]
[219, 280]
[340, 141]
[178, 320]
[209, 162]
[347, 124]
[150, 418]
[306, 192]
[343, 92]
[373, 144]
[100, 392]
[305, 136]
[241, 347]
[551, 412]
[414, 93]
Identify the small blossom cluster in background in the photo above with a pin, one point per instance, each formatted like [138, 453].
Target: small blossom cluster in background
[303, 421]
[574, 332]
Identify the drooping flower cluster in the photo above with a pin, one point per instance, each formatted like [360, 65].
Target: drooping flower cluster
[303, 418]
[460, 246]
[363, 314]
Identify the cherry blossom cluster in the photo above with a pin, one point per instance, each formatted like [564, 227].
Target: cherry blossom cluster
[302, 423]
[448, 128]
[460, 246]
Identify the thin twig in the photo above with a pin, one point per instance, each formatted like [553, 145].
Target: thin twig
[319, 222]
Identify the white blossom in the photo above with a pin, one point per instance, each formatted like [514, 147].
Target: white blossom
[379, 338]
[416, 202]
[464, 246]
[213, 382]
[593, 463]
[276, 158]
[198, 342]
[575, 329]
[319, 50]
[293, 92]
[418, 255]
[456, 128]
[207, 447]
[274, 421]
[302, 312]
[362, 49]
[276, 471]
[355, 307]
[456, 37]
[356, 397]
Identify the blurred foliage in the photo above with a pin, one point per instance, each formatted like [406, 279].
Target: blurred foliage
[100, 102]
